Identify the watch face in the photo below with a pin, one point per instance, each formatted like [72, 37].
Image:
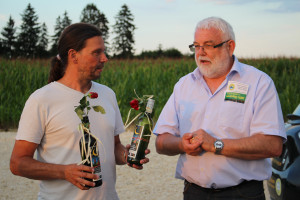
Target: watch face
[218, 144]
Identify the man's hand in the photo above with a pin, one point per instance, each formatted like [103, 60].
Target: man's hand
[206, 140]
[191, 145]
[143, 161]
[75, 174]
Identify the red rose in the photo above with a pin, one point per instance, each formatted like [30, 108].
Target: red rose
[134, 104]
[93, 95]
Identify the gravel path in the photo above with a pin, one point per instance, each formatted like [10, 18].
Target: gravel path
[155, 182]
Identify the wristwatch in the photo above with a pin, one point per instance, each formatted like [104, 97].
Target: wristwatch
[219, 145]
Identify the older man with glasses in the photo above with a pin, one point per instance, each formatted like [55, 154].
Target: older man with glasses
[224, 120]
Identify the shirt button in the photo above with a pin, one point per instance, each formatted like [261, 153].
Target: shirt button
[213, 186]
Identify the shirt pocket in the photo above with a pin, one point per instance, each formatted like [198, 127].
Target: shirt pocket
[231, 116]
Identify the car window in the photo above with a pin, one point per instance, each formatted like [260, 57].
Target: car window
[297, 111]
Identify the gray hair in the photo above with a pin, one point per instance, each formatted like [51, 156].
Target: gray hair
[219, 24]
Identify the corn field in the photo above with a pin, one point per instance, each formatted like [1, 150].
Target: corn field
[19, 78]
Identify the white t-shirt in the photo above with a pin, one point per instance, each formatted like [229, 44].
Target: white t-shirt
[49, 120]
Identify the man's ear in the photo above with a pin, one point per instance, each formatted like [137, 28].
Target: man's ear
[231, 45]
[72, 55]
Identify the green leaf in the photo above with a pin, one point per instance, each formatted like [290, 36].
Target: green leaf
[99, 109]
[83, 101]
[79, 112]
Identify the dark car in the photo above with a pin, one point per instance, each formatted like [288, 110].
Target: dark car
[285, 179]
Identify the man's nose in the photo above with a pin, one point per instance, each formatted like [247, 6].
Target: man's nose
[103, 58]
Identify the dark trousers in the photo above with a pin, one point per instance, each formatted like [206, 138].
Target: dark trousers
[245, 190]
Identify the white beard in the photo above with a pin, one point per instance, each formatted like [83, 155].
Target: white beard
[215, 69]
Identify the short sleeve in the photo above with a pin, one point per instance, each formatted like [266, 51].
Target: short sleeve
[32, 122]
[267, 113]
[168, 120]
[119, 126]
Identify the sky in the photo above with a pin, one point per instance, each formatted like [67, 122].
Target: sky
[263, 28]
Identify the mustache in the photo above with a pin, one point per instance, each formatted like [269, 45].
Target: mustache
[100, 66]
[203, 58]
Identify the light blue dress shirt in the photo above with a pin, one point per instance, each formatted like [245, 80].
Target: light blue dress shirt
[192, 106]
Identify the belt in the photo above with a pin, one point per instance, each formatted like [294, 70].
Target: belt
[210, 190]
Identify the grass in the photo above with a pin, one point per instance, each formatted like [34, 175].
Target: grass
[19, 78]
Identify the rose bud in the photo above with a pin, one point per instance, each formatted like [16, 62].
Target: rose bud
[134, 104]
[93, 95]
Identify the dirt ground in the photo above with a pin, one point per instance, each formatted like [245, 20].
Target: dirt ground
[155, 182]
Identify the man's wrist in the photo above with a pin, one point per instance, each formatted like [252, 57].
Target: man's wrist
[125, 157]
[219, 145]
[180, 145]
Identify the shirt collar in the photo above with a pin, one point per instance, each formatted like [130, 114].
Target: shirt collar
[196, 74]
[236, 68]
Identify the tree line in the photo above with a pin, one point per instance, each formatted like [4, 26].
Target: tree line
[33, 41]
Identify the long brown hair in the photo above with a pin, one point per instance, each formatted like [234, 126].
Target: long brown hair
[73, 37]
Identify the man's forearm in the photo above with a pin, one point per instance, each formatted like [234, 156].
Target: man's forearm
[33, 169]
[120, 154]
[168, 144]
[258, 146]
[23, 164]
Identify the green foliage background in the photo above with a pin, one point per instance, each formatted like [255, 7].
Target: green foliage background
[19, 78]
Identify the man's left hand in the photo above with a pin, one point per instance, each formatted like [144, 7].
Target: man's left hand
[206, 140]
[143, 161]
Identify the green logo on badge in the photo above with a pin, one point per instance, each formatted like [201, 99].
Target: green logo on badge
[235, 97]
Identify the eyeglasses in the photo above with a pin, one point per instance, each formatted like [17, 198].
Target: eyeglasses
[207, 47]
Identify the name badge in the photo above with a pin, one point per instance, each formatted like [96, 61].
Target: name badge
[236, 92]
